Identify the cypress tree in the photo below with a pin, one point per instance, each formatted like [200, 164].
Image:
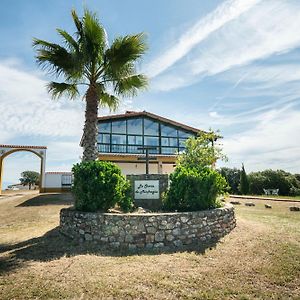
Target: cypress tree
[244, 183]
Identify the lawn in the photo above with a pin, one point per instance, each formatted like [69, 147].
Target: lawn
[260, 259]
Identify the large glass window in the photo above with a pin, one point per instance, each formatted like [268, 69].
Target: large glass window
[171, 142]
[104, 127]
[119, 127]
[134, 149]
[135, 126]
[135, 140]
[184, 134]
[151, 127]
[103, 148]
[168, 130]
[104, 138]
[121, 136]
[118, 139]
[169, 150]
[118, 148]
[151, 141]
[182, 142]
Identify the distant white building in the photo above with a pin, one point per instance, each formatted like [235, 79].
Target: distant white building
[57, 182]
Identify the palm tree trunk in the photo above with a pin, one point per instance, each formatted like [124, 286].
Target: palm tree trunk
[90, 126]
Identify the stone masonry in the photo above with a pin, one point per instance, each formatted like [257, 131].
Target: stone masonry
[151, 230]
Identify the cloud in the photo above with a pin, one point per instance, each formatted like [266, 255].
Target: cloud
[272, 143]
[26, 108]
[265, 29]
[223, 14]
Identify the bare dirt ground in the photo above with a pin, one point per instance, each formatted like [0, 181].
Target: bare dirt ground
[260, 259]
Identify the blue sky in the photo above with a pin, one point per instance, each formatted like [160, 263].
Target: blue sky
[229, 65]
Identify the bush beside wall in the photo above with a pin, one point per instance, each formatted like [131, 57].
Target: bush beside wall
[99, 185]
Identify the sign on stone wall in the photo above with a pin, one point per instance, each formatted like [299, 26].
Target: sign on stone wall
[146, 189]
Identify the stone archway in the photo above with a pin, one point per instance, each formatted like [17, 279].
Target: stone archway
[40, 151]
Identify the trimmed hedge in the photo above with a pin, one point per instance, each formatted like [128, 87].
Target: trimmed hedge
[99, 186]
[194, 189]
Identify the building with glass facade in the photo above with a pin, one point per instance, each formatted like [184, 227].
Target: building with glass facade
[121, 137]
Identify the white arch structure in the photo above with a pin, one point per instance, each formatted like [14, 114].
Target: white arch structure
[40, 151]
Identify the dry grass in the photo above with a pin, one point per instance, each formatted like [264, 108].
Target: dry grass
[260, 259]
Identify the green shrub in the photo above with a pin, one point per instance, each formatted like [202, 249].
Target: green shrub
[99, 185]
[194, 189]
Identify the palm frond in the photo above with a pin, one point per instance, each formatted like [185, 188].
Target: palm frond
[57, 59]
[106, 99]
[94, 38]
[110, 101]
[57, 89]
[129, 86]
[69, 40]
[125, 50]
[77, 22]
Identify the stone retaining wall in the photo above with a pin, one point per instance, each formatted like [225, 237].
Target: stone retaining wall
[155, 230]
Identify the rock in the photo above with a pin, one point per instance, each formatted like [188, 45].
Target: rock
[249, 204]
[177, 243]
[88, 237]
[151, 229]
[268, 206]
[159, 245]
[294, 208]
[141, 210]
[170, 237]
[114, 211]
[149, 238]
[176, 231]
[235, 202]
[159, 236]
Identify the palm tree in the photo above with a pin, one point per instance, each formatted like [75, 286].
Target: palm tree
[86, 58]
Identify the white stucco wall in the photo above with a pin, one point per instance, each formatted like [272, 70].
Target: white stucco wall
[140, 168]
[52, 180]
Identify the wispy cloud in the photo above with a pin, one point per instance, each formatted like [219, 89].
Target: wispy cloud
[264, 29]
[223, 14]
[26, 108]
[270, 144]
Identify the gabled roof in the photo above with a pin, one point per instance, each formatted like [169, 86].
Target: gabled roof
[132, 114]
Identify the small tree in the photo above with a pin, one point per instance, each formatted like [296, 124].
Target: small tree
[29, 178]
[195, 184]
[201, 151]
[244, 183]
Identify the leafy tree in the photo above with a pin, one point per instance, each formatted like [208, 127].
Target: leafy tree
[244, 183]
[87, 59]
[30, 178]
[287, 183]
[201, 151]
[232, 176]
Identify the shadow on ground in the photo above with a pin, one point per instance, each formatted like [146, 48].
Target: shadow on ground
[49, 199]
[53, 245]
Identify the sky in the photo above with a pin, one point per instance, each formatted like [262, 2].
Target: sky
[230, 65]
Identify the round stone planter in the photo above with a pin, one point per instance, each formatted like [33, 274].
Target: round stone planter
[150, 230]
